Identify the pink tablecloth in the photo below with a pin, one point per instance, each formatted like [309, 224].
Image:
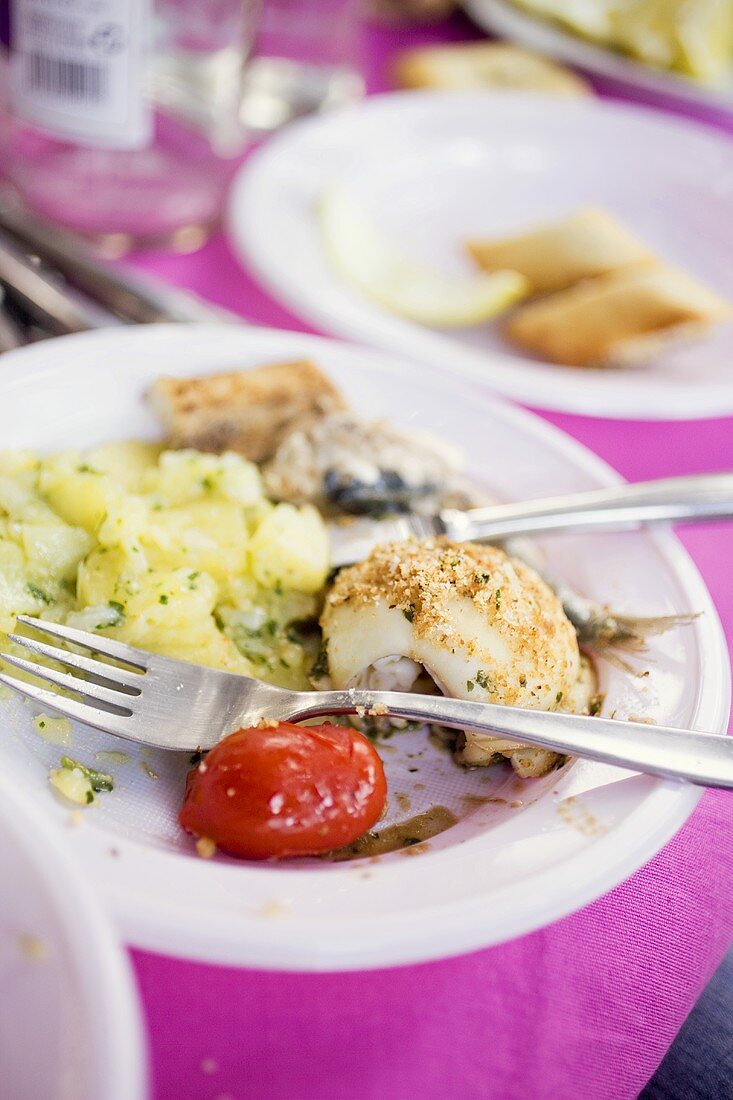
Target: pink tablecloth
[585, 1008]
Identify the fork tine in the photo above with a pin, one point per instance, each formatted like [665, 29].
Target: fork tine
[71, 708]
[97, 642]
[121, 678]
[71, 683]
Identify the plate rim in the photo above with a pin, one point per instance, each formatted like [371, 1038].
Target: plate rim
[504, 18]
[247, 232]
[250, 941]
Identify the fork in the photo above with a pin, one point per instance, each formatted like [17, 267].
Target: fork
[169, 704]
[675, 499]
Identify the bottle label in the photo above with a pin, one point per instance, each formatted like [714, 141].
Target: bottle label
[78, 69]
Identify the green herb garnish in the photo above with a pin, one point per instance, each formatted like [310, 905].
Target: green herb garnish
[319, 668]
[38, 593]
[100, 781]
[119, 610]
[596, 705]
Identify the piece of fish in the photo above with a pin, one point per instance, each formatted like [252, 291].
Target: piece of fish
[599, 629]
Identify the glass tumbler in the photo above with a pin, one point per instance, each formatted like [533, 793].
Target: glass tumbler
[306, 61]
[125, 119]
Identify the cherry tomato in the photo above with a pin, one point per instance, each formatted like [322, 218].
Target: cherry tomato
[285, 791]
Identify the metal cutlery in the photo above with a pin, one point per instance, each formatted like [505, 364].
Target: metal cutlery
[39, 296]
[691, 499]
[11, 333]
[169, 704]
[130, 297]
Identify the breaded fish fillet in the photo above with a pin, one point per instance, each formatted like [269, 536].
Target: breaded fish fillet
[248, 411]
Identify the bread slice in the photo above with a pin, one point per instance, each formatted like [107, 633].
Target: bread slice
[619, 319]
[589, 242]
[497, 65]
[248, 411]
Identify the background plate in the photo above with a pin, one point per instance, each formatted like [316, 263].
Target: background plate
[504, 18]
[433, 169]
[504, 869]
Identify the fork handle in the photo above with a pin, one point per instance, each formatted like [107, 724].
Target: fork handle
[705, 759]
[675, 499]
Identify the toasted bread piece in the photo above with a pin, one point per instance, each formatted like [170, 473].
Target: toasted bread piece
[497, 65]
[554, 256]
[248, 411]
[618, 319]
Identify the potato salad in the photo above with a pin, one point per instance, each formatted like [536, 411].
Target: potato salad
[177, 552]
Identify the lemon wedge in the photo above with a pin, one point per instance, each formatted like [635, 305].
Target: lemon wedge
[378, 270]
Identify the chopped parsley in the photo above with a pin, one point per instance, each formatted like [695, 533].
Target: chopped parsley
[320, 665]
[470, 685]
[497, 599]
[596, 705]
[38, 593]
[100, 781]
[409, 612]
[483, 680]
[119, 610]
[163, 598]
[558, 697]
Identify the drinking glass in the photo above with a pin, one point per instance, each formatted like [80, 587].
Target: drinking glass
[306, 61]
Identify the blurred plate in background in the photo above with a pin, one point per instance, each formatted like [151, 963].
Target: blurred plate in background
[431, 169]
[504, 18]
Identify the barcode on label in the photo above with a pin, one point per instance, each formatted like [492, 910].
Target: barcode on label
[72, 80]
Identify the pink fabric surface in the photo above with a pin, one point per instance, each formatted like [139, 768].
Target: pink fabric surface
[584, 1008]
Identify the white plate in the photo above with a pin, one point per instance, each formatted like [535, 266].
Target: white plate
[502, 870]
[504, 18]
[432, 169]
[70, 1027]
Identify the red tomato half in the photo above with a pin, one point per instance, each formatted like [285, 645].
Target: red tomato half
[285, 791]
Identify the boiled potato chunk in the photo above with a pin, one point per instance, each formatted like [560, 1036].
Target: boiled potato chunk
[125, 463]
[54, 549]
[290, 549]
[77, 492]
[210, 535]
[183, 476]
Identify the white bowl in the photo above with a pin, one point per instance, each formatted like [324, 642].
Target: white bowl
[503, 869]
[432, 169]
[70, 1026]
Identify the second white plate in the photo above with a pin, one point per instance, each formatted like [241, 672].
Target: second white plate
[432, 169]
